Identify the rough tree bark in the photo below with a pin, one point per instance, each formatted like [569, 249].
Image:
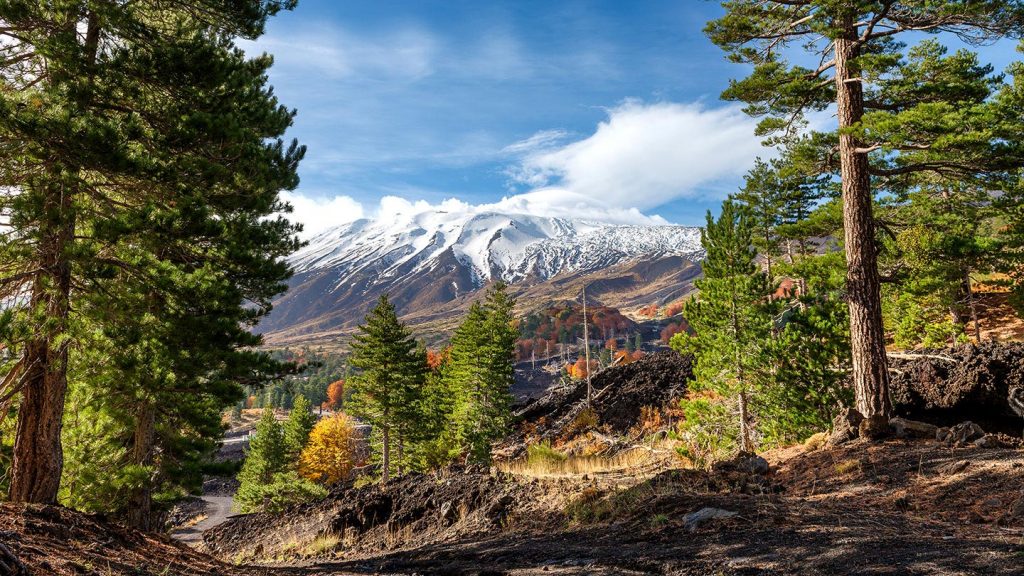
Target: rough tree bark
[140, 503]
[401, 453]
[38, 456]
[972, 305]
[867, 339]
[746, 437]
[385, 459]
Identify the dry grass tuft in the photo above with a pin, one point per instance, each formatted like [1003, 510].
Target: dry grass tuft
[322, 545]
[542, 460]
[815, 442]
[847, 466]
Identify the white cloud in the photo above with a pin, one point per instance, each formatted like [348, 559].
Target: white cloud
[645, 155]
[563, 203]
[542, 141]
[318, 214]
[334, 52]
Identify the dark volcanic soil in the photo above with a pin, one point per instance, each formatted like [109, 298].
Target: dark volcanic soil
[969, 382]
[620, 393]
[55, 541]
[898, 507]
[763, 540]
[421, 508]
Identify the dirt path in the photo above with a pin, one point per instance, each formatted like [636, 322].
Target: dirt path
[218, 509]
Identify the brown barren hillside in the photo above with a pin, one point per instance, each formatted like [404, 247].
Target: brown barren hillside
[627, 287]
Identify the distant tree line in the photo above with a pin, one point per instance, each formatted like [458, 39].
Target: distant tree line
[320, 369]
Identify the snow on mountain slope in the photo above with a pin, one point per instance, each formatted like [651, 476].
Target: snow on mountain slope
[427, 260]
[492, 246]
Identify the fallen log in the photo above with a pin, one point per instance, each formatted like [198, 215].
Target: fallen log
[907, 356]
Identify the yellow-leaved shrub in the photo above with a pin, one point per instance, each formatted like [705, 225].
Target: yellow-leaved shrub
[331, 454]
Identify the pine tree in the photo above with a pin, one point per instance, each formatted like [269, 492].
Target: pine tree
[266, 457]
[733, 331]
[269, 480]
[433, 444]
[762, 194]
[886, 129]
[781, 195]
[144, 150]
[482, 371]
[392, 373]
[809, 354]
[1010, 210]
[413, 424]
[944, 239]
[297, 427]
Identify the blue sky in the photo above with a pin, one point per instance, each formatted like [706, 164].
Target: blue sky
[598, 109]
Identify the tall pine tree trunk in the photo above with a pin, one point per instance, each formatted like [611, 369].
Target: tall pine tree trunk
[140, 502]
[38, 456]
[401, 453]
[867, 338]
[385, 458]
[746, 438]
[746, 435]
[972, 305]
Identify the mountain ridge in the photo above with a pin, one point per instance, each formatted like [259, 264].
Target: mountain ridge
[431, 262]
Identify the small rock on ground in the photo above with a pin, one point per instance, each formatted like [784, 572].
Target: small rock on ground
[693, 520]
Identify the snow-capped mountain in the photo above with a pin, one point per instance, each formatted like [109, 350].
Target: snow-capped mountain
[491, 246]
[430, 258]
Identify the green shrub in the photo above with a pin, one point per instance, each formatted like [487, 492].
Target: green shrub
[286, 489]
[709, 431]
[543, 453]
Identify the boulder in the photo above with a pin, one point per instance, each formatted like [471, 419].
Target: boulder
[961, 434]
[743, 462]
[905, 428]
[1016, 511]
[988, 441]
[753, 464]
[954, 467]
[845, 427]
[693, 520]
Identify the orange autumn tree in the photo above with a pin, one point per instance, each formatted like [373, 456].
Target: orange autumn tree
[649, 311]
[578, 370]
[335, 395]
[674, 308]
[330, 455]
[672, 329]
[436, 359]
[626, 357]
